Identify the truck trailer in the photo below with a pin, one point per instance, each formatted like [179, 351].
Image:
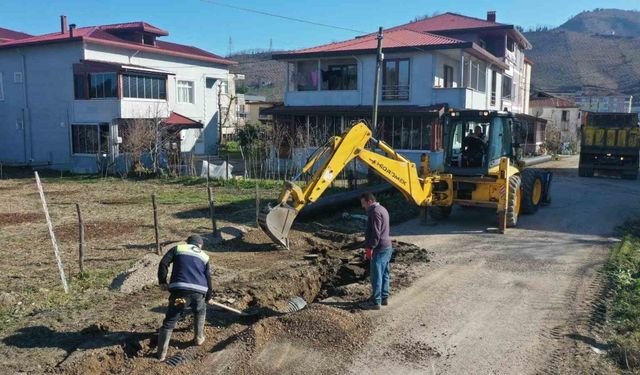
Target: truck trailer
[610, 144]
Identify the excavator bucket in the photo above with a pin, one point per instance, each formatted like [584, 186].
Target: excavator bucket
[276, 223]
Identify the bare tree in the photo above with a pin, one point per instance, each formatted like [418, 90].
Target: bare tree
[145, 136]
[224, 112]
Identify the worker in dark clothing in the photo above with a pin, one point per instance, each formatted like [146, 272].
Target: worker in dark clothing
[190, 286]
[378, 250]
[473, 148]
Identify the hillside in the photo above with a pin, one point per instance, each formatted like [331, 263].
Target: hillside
[583, 54]
[605, 22]
[263, 76]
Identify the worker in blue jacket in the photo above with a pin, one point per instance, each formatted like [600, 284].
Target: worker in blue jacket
[190, 286]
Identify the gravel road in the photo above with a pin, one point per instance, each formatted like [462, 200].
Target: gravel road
[518, 303]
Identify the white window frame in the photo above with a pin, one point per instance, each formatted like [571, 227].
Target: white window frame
[1, 88]
[190, 86]
[224, 87]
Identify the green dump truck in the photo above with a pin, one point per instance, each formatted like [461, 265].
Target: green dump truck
[610, 144]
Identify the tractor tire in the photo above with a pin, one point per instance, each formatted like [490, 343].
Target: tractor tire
[513, 206]
[532, 191]
[440, 213]
[585, 172]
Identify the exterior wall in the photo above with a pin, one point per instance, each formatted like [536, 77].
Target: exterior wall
[526, 89]
[35, 116]
[569, 130]
[426, 85]
[205, 106]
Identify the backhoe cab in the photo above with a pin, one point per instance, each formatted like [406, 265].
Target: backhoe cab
[481, 152]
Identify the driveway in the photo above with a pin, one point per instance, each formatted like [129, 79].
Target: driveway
[518, 303]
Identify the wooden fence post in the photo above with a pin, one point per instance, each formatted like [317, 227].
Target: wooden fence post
[214, 225]
[80, 239]
[155, 223]
[54, 242]
[257, 206]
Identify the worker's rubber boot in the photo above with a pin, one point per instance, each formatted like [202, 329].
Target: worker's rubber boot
[198, 327]
[164, 336]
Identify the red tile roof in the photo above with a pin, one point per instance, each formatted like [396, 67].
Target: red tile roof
[101, 35]
[6, 35]
[398, 38]
[552, 102]
[448, 21]
[177, 120]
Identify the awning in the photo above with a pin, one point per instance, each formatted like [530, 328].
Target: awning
[177, 121]
[96, 66]
[366, 110]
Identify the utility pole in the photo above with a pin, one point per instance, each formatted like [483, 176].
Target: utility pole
[376, 86]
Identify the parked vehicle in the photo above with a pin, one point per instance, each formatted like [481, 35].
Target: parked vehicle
[610, 144]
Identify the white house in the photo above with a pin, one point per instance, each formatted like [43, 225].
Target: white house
[563, 118]
[65, 96]
[449, 60]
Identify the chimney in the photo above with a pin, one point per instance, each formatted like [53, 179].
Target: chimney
[71, 28]
[63, 24]
[491, 16]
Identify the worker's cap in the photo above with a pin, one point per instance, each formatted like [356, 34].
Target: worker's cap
[195, 239]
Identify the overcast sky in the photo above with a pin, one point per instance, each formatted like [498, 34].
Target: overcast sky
[205, 24]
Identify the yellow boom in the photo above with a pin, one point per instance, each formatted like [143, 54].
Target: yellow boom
[339, 151]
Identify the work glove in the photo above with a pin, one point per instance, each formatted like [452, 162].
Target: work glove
[164, 287]
[368, 253]
[208, 296]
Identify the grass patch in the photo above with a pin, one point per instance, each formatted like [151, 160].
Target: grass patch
[623, 270]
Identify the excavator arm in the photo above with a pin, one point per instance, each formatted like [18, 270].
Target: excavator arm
[335, 156]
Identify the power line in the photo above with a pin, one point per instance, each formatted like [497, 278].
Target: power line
[282, 16]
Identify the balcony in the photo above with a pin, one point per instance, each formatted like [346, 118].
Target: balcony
[324, 97]
[98, 110]
[463, 98]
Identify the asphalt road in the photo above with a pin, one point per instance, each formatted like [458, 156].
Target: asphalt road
[518, 303]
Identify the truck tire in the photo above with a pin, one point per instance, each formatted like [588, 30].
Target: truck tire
[532, 191]
[513, 201]
[440, 213]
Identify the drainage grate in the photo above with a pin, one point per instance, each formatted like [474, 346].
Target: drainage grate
[296, 304]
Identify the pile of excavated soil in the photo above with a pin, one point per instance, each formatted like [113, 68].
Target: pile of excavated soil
[143, 273]
[301, 343]
[17, 218]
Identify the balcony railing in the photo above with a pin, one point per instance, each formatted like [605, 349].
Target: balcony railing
[395, 92]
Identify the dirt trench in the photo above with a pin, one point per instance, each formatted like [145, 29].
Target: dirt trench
[269, 340]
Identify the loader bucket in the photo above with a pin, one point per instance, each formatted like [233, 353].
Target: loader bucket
[276, 223]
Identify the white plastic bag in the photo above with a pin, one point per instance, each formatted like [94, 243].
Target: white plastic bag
[216, 171]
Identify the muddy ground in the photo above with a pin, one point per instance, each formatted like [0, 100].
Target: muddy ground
[97, 330]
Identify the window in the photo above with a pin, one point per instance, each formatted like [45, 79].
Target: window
[475, 75]
[185, 92]
[340, 77]
[494, 86]
[90, 139]
[506, 87]
[224, 87]
[103, 85]
[395, 80]
[1, 88]
[407, 132]
[565, 115]
[143, 87]
[79, 87]
[305, 75]
[448, 76]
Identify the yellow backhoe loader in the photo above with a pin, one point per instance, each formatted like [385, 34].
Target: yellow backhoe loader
[475, 173]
